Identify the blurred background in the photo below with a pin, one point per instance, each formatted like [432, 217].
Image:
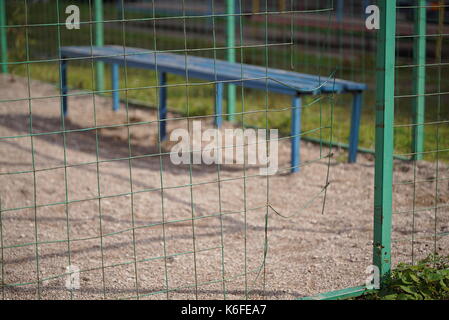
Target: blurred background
[324, 37]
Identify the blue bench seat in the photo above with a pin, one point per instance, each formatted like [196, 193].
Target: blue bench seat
[220, 73]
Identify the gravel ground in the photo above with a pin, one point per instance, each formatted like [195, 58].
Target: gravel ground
[310, 250]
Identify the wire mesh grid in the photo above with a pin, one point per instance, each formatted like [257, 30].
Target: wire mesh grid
[420, 185]
[93, 193]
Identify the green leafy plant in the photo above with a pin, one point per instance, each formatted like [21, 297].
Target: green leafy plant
[427, 280]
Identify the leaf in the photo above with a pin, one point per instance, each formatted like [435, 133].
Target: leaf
[404, 279]
[404, 296]
[414, 278]
[444, 285]
[427, 294]
[434, 277]
[412, 291]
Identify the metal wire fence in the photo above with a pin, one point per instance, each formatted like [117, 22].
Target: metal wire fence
[424, 101]
[92, 205]
[93, 196]
[410, 199]
[305, 44]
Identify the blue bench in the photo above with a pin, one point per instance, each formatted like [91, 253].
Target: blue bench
[221, 73]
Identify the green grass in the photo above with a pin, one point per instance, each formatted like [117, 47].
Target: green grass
[427, 280]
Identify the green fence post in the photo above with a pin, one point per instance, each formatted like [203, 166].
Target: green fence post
[419, 80]
[383, 180]
[3, 41]
[230, 43]
[99, 41]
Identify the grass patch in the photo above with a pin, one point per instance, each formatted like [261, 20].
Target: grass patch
[427, 280]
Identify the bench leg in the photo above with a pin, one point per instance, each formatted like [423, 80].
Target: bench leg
[162, 105]
[115, 87]
[219, 104]
[340, 10]
[295, 134]
[355, 125]
[64, 90]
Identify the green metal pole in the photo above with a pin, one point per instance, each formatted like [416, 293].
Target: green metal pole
[383, 177]
[419, 79]
[3, 41]
[230, 43]
[99, 41]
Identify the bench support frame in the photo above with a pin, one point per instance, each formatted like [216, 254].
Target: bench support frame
[295, 129]
[64, 89]
[355, 125]
[115, 71]
[219, 104]
[295, 132]
[162, 105]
